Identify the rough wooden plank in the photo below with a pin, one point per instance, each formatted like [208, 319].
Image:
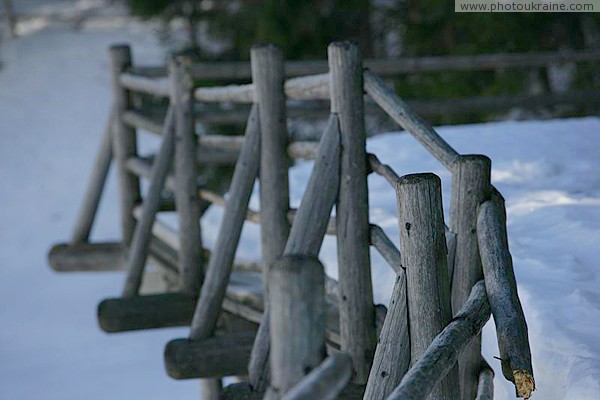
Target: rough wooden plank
[408, 120]
[217, 356]
[186, 177]
[325, 382]
[138, 252]
[392, 354]
[310, 225]
[470, 187]
[243, 391]
[423, 243]
[297, 320]
[485, 387]
[442, 354]
[313, 87]
[93, 193]
[124, 142]
[221, 261]
[230, 93]
[107, 256]
[357, 314]
[501, 286]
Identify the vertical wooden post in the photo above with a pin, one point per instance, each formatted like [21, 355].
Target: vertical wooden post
[93, 193]
[124, 142]
[11, 18]
[470, 187]
[186, 177]
[357, 313]
[268, 78]
[297, 320]
[422, 237]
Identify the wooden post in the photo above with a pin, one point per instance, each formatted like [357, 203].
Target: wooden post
[392, 355]
[470, 187]
[221, 261]
[136, 259]
[501, 286]
[423, 243]
[297, 306]
[186, 177]
[357, 313]
[11, 18]
[93, 193]
[124, 142]
[485, 386]
[307, 232]
[268, 77]
[441, 356]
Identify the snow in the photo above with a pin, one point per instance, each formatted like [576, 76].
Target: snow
[54, 100]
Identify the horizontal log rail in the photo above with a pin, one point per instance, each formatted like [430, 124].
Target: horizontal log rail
[240, 70]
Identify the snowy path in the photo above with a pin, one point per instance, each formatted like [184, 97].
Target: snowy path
[54, 98]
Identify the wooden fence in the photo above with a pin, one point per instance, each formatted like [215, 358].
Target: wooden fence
[294, 332]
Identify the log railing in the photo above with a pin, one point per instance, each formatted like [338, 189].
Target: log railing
[448, 280]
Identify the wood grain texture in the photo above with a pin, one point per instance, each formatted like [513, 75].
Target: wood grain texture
[501, 286]
[186, 177]
[310, 225]
[357, 314]
[124, 142]
[153, 87]
[325, 382]
[470, 187]
[221, 261]
[400, 112]
[392, 354]
[297, 320]
[423, 243]
[441, 356]
[138, 253]
[93, 192]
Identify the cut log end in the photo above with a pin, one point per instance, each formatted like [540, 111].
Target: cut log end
[524, 383]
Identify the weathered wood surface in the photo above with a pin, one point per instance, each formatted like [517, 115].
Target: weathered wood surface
[392, 354]
[146, 312]
[210, 389]
[186, 177]
[501, 287]
[217, 356]
[221, 261]
[386, 248]
[423, 242]
[485, 386]
[297, 320]
[154, 87]
[325, 382]
[93, 192]
[409, 120]
[313, 87]
[243, 391]
[357, 314]
[441, 356]
[307, 232]
[390, 67]
[124, 142]
[138, 253]
[268, 77]
[382, 169]
[106, 256]
[470, 187]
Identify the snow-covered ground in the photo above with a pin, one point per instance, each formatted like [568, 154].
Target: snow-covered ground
[54, 99]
